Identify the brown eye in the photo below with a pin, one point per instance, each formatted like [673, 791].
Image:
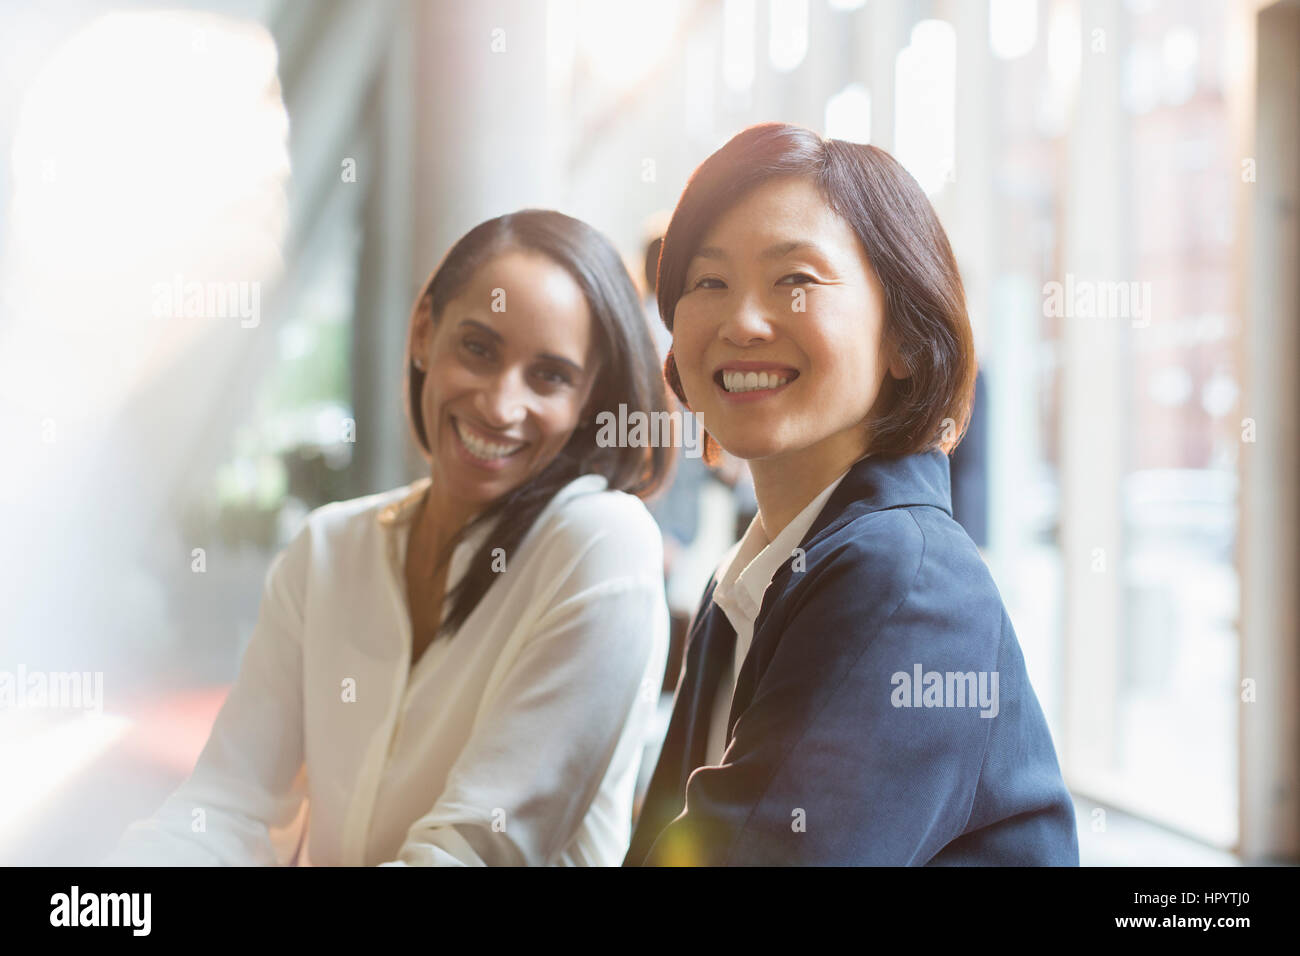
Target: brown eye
[476, 348]
[554, 377]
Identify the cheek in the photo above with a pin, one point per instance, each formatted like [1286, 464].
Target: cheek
[846, 356]
[433, 394]
[558, 420]
[450, 375]
[689, 343]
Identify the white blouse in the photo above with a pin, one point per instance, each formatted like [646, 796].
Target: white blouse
[516, 741]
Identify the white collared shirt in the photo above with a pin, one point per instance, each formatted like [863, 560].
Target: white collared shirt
[743, 577]
[516, 741]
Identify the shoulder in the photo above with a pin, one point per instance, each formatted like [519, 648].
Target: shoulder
[871, 555]
[594, 555]
[355, 518]
[898, 542]
[338, 528]
[874, 564]
[597, 531]
[366, 511]
[586, 511]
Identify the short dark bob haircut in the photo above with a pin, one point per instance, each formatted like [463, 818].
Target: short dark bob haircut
[925, 320]
[629, 375]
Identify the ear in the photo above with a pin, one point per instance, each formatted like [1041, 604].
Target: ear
[896, 367]
[894, 364]
[421, 329]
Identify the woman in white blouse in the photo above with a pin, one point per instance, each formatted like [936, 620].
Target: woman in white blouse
[461, 671]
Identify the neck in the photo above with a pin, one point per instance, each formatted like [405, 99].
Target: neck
[441, 517]
[785, 484]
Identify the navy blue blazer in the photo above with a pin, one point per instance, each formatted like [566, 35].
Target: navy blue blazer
[857, 732]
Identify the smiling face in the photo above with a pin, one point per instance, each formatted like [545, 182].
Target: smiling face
[778, 332]
[504, 389]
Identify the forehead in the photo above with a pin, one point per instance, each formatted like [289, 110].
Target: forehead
[529, 298]
[523, 281]
[781, 209]
[530, 304]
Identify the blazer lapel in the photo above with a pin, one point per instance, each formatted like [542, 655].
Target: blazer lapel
[711, 641]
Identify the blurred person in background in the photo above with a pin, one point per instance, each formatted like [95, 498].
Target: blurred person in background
[969, 464]
[677, 510]
[819, 325]
[460, 671]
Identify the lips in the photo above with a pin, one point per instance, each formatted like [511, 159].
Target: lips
[748, 366]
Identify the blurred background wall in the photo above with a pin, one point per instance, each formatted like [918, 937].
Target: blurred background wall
[216, 216]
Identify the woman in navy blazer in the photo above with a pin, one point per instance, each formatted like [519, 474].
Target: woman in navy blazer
[881, 712]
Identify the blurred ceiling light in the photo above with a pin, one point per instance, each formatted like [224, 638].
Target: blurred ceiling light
[1064, 57]
[1171, 386]
[788, 37]
[1013, 27]
[1179, 54]
[622, 42]
[925, 117]
[1064, 44]
[1140, 86]
[848, 114]
[1219, 394]
[738, 29]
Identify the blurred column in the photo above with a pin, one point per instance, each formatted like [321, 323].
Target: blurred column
[883, 31]
[460, 135]
[383, 456]
[1094, 396]
[483, 146]
[1269, 545]
[966, 203]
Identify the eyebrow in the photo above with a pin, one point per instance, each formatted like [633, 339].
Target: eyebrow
[497, 337]
[777, 251]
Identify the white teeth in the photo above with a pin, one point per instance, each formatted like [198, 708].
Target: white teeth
[751, 381]
[482, 449]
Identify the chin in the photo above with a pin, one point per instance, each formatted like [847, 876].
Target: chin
[749, 447]
[476, 489]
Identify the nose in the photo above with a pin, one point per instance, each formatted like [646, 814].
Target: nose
[746, 324]
[502, 402]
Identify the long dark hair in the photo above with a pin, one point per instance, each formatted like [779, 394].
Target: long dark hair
[925, 305]
[630, 375]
